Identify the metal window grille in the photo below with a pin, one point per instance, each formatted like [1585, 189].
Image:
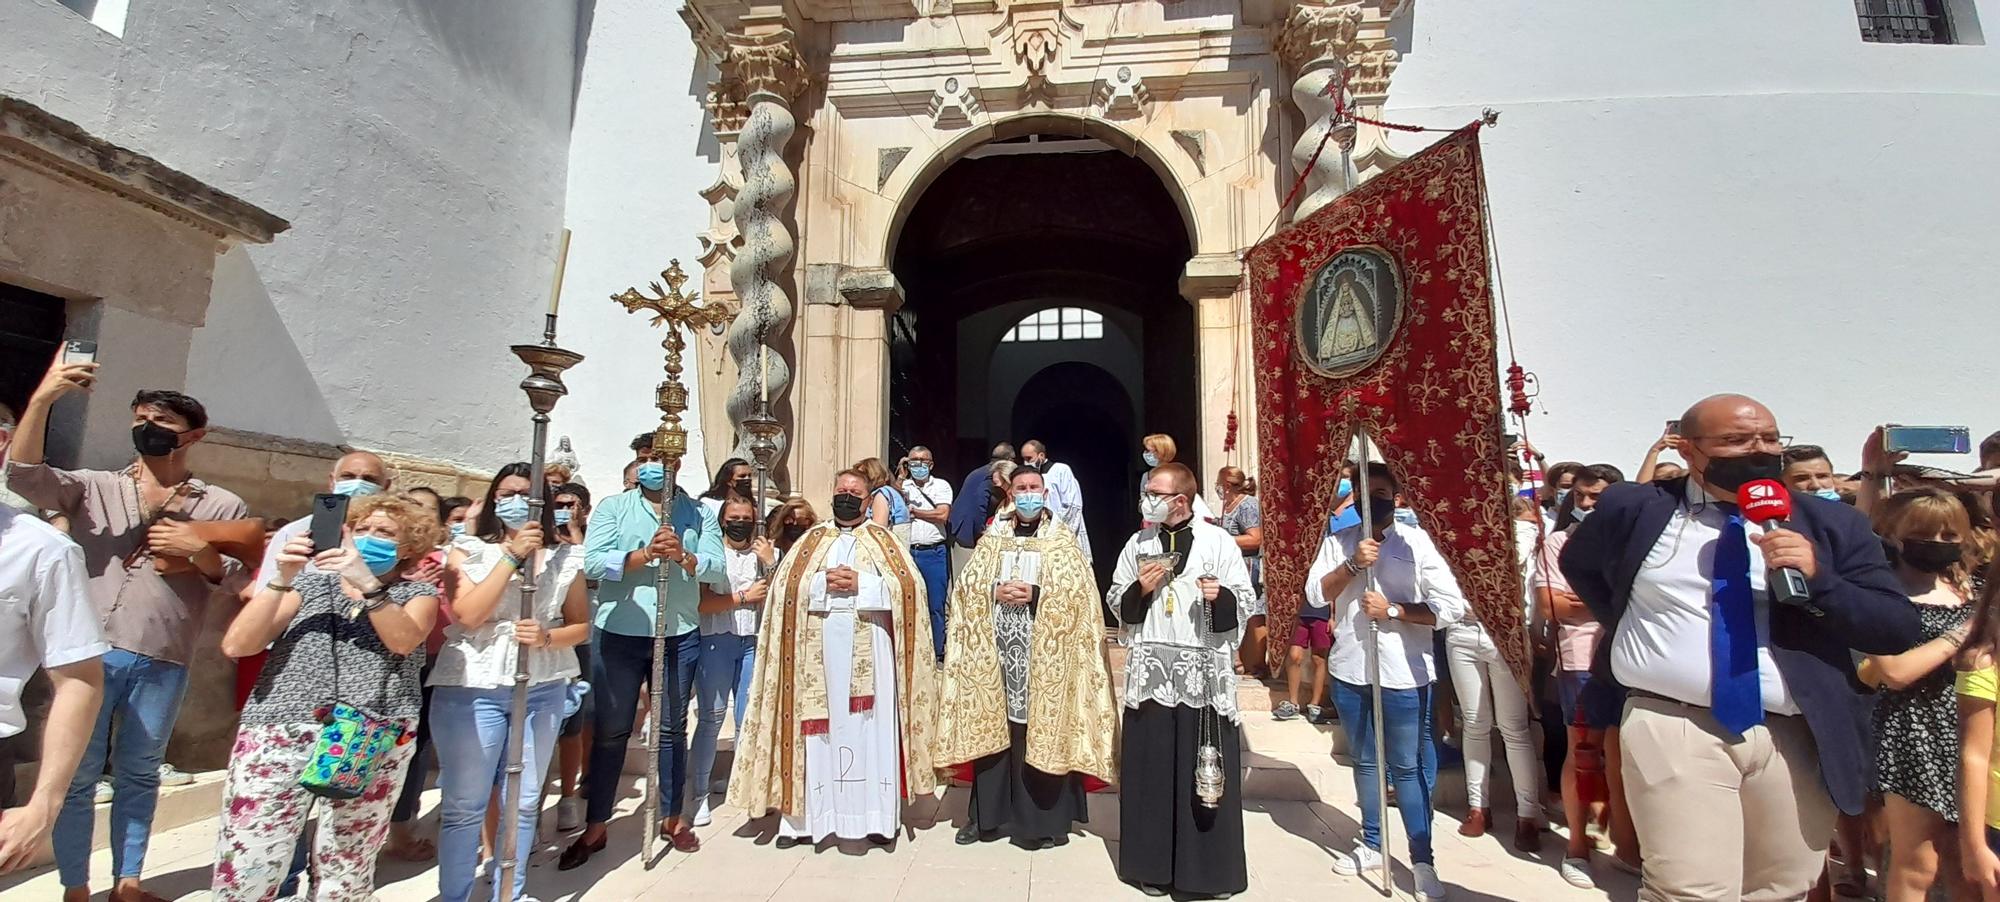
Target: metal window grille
[1903, 21]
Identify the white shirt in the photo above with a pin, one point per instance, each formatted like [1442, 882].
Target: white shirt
[46, 617]
[931, 494]
[741, 620]
[1662, 643]
[1409, 570]
[484, 657]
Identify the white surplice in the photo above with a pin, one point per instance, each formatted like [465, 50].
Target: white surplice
[1066, 500]
[854, 769]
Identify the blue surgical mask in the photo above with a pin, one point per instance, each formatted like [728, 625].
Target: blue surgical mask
[1406, 516]
[355, 488]
[920, 472]
[1151, 459]
[512, 511]
[1560, 495]
[378, 553]
[1345, 488]
[1828, 494]
[1029, 504]
[457, 529]
[652, 476]
[1581, 513]
[562, 517]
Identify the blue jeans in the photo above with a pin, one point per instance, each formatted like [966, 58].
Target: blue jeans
[623, 663]
[1412, 759]
[727, 664]
[935, 566]
[142, 699]
[469, 727]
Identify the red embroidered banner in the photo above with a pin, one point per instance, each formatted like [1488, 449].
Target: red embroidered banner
[1376, 310]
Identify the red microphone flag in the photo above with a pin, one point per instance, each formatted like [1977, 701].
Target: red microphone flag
[1765, 501]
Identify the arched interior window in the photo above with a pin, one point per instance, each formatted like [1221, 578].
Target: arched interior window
[1058, 324]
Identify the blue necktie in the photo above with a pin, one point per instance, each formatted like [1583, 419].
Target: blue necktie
[1734, 693]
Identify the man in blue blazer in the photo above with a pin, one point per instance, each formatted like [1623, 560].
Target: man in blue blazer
[1743, 728]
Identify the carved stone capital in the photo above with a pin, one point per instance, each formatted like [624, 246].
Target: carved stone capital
[765, 63]
[1318, 34]
[1369, 72]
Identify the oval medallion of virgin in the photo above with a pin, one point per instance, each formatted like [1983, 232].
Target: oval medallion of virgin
[1350, 313]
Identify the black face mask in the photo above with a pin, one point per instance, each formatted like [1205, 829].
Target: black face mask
[738, 530]
[792, 533]
[846, 508]
[1381, 511]
[1930, 556]
[742, 487]
[154, 440]
[1731, 473]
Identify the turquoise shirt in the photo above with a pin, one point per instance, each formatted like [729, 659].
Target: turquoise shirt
[625, 523]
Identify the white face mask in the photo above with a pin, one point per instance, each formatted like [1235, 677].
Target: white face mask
[1154, 508]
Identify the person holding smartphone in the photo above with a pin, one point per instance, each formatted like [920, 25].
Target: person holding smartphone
[349, 633]
[151, 576]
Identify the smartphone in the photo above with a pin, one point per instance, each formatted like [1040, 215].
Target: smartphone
[329, 516]
[1673, 427]
[79, 350]
[1927, 439]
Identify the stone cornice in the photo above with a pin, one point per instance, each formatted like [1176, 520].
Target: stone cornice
[38, 139]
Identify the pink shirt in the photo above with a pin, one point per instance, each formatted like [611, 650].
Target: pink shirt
[1575, 645]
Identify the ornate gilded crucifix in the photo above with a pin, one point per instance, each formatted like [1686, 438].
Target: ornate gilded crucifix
[671, 307]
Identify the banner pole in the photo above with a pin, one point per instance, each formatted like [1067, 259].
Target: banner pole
[1374, 659]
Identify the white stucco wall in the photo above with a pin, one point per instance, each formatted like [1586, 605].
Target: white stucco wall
[1748, 199]
[418, 148]
[638, 157]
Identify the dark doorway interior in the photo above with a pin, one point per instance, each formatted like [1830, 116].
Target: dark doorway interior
[31, 329]
[1095, 230]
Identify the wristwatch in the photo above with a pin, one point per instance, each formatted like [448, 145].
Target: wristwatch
[1395, 612]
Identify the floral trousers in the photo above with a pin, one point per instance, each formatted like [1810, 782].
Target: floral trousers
[265, 809]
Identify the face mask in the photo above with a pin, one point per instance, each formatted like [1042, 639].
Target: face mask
[355, 488]
[742, 487]
[1828, 494]
[563, 517]
[1730, 473]
[846, 508]
[1561, 496]
[512, 511]
[1154, 508]
[1345, 488]
[1406, 516]
[151, 439]
[1581, 513]
[920, 472]
[738, 530]
[792, 533]
[652, 476]
[1151, 459]
[378, 553]
[1029, 504]
[1381, 511]
[1931, 556]
[457, 529]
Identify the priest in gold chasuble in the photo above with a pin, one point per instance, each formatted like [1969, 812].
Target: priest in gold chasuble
[1025, 697]
[837, 737]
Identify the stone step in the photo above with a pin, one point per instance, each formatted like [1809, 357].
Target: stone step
[178, 806]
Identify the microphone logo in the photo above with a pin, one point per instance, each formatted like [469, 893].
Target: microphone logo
[1764, 500]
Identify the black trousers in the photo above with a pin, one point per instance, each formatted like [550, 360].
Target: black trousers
[1029, 805]
[1166, 837]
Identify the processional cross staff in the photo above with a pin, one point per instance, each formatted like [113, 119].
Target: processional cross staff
[676, 311]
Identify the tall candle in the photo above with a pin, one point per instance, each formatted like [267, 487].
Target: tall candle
[763, 368]
[562, 262]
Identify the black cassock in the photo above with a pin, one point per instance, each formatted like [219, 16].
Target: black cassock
[1167, 837]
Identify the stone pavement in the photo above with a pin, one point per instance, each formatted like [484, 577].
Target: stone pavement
[1290, 845]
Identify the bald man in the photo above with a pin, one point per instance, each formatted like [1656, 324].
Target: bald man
[356, 474]
[1734, 772]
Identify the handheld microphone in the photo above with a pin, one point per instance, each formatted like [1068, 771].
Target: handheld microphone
[1765, 501]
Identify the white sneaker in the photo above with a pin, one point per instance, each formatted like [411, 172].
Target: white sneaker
[569, 814]
[701, 813]
[103, 791]
[1362, 859]
[1576, 872]
[1429, 887]
[172, 776]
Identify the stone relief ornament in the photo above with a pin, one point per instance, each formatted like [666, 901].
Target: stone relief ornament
[1123, 94]
[1350, 312]
[954, 105]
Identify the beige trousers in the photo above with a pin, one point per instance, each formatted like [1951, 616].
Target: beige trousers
[1723, 820]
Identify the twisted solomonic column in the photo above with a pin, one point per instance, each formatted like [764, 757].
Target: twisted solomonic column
[1315, 44]
[767, 69]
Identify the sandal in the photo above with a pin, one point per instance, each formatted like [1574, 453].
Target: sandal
[415, 850]
[684, 840]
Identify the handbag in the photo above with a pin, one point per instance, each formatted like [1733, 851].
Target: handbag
[352, 742]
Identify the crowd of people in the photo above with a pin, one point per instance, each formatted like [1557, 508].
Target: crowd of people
[1731, 706]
